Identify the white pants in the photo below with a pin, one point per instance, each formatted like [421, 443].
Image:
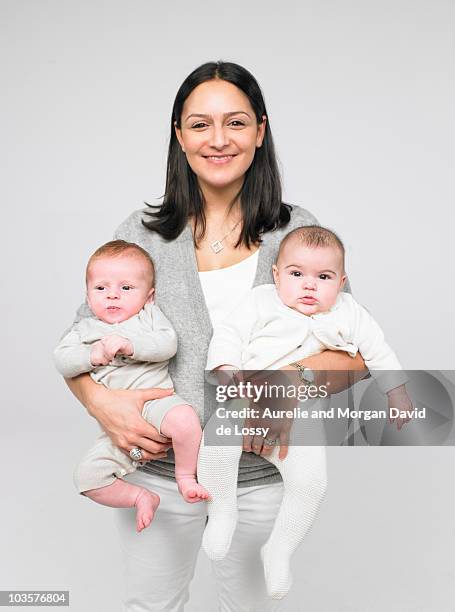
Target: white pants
[159, 562]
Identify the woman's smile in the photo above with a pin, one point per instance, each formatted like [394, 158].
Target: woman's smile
[219, 159]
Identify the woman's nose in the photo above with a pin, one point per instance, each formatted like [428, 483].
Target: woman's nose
[218, 137]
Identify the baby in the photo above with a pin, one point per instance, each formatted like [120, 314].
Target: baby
[302, 314]
[127, 346]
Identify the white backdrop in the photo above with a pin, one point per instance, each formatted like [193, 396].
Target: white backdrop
[360, 96]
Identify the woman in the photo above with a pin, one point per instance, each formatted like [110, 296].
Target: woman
[215, 235]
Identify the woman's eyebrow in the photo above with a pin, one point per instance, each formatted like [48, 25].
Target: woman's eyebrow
[203, 116]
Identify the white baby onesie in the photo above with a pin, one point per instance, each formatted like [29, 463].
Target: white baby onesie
[263, 333]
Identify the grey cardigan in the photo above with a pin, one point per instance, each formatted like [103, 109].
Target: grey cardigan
[179, 295]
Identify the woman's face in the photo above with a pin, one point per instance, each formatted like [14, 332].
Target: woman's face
[219, 134]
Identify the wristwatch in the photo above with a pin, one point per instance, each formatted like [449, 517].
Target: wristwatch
[306, 375]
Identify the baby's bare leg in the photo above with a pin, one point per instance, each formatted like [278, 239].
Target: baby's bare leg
[122, 494]
[181, 424]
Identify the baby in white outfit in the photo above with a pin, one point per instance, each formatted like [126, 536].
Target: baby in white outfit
[128, 346]
[304, 313]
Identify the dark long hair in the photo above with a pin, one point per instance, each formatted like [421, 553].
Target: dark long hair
[260, 194]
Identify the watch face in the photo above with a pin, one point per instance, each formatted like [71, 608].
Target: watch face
[308, 375]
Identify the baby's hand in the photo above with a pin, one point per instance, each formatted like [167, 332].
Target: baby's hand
[399, 399]
[98, 356]
[114, 345]
[104, 351]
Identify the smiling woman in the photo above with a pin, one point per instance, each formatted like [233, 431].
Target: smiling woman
[215, 235]
[219, 146]
[221, 152]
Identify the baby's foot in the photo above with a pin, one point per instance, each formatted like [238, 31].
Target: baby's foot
[191, 490]
[218, 533]
[146, 504]
[277, 572]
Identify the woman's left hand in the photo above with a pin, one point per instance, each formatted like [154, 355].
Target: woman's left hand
[276, 429]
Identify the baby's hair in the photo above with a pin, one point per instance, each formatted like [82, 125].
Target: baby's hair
[114, 248]
[313, 236]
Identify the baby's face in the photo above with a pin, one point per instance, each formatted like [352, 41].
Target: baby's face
[308, 279]
[118, 287]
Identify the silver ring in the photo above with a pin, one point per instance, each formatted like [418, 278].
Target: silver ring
[270, 441]
[136, 454]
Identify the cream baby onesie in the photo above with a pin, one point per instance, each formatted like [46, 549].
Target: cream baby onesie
[154, 342]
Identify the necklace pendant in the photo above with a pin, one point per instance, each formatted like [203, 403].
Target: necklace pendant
[216, 246]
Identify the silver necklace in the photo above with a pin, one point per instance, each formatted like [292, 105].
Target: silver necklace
[217, 245]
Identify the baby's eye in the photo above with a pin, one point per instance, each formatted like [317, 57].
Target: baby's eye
[99, 288]
[296, 273]
[324, 276]
[126, 287]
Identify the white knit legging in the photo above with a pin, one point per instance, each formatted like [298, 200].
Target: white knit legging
[159, 562]
[304, 478]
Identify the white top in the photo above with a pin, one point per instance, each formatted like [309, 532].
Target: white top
[226, 289]
[263, 333]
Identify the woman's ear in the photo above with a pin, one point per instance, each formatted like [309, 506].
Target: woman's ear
[178, 133]
[261, 132]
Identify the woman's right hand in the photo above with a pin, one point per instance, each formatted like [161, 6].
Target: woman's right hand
[119, 412]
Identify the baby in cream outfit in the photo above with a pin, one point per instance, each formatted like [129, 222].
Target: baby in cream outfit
[127, 345]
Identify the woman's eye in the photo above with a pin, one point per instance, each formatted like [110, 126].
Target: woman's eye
[199, 125]
[236, 123]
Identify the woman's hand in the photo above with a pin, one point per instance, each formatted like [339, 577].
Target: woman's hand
[277, 428]
[119, 412]
[278, 432]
